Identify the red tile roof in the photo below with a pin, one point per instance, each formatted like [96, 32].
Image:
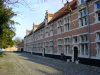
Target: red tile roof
[59, 13]
[40, 26]
[64, 10]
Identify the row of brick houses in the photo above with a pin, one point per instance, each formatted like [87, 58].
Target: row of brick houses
[73, 31]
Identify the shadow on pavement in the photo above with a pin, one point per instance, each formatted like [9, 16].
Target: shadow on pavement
[62, 66]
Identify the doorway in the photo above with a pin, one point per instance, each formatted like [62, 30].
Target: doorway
[75, 53]
[22, 50]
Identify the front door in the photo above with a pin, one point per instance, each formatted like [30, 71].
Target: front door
[75, 53]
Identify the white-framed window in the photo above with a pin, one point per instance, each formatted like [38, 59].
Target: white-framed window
[46, 46]
[51, 30]
[46, 31]
[51, 46]
[84, 38]
[98, 49]
[75, 40]
[66, 24]
[98, 43]
[60, 41]
[60, 45]
[98, 10]
[59, 27]
[84, 45]
[83, 17]
[67, 46]
[84, 49]
[98, 36]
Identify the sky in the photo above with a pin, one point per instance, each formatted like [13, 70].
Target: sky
[33, 11]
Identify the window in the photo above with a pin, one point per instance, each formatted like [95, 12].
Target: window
[51, 46]
[98, 43]
[60, 41]
[98, 10]
[66, 24]
[98, 50]
[84, 38]
[60, 45]
[83, 17]
[67, 46]
[98, 5]
[59, 26]
[82, 1]
[99, 16]
[51, 30]
[46, 47]
[98, 36]
[46, 30]
[84, 49]
[84, 45]
[75, 40]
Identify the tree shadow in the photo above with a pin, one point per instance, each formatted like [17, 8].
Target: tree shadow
[63, 67]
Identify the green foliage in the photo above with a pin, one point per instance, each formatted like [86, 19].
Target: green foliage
[17, 41]
[6, 26]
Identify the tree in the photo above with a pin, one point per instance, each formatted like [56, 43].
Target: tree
[17, 41]
[6, 26]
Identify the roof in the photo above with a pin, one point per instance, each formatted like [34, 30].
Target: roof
[40, 26]
[64, 10]
[30, 32]
[50, 15]
[21, 44]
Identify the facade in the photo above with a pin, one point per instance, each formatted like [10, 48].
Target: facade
[21, 46]
[73, 31]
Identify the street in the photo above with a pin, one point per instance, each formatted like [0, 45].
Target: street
[26, 64]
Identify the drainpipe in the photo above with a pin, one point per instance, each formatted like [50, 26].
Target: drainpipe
[88, 22]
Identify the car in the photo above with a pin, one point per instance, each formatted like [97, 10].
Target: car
[1, 49]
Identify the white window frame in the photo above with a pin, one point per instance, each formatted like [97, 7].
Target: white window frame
[66, 23]
[51, 30]
[59, 26]
[61, 44]
[84, 43]
[51, 46]
[74, 40]
[82, 19]
[68, 45]
[97, 43]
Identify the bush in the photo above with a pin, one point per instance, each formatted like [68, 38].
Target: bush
[1, 54]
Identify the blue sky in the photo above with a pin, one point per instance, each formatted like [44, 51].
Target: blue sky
[33, 11]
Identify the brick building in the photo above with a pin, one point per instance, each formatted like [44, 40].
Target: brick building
[73, 31]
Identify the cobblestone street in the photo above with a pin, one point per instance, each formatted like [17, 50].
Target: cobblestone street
[27, 64]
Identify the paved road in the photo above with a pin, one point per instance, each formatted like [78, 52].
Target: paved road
[27, 64]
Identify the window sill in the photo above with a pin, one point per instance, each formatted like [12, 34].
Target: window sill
[83, 26]
[83, 42]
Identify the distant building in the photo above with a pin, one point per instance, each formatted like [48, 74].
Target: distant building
[74, 31]
[21, 46]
